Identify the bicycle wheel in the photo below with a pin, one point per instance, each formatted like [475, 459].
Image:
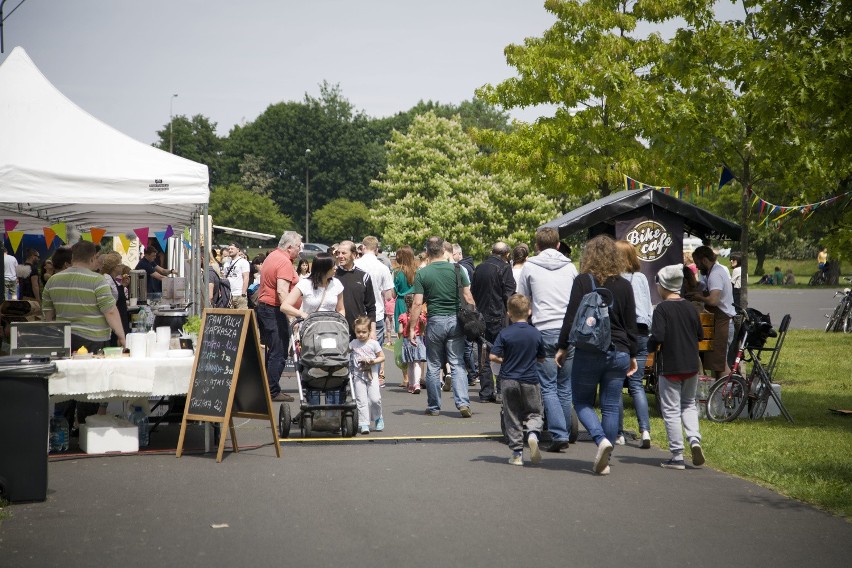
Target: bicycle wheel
[758, 400]
[847, 323]
[727, 398]
[834, 320]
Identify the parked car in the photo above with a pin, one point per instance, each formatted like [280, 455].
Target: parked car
[310, 250]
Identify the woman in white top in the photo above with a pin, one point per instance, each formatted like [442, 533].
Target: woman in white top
[642, 296]
[321, 292]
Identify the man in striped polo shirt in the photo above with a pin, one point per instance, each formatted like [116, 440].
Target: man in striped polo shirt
[83, 297]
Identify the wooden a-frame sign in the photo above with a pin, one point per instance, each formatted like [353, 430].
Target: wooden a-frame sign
[228, 376]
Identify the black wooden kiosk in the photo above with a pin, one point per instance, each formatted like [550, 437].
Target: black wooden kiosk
[650, 219]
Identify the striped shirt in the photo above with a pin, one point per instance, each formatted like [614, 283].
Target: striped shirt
[82, 297]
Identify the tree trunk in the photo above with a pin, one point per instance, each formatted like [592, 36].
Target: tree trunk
[760, 253]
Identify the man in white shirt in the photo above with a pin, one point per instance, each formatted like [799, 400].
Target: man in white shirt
[10, 276]
[382, 280]
[236, 270]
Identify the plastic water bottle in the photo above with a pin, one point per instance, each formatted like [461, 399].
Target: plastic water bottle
[59, 433]
[141, 420]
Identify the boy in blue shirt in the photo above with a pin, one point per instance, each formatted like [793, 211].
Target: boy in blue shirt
[520, 349]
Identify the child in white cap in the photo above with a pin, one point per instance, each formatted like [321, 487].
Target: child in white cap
[676, 328]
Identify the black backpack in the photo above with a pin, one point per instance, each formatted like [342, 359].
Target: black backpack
[591, 329]
[221, 291]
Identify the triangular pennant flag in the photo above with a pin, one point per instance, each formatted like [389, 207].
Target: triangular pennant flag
[97, 235]
[187, 245]
[125, 243]
[142, 233]
[86, 236]
[60, 230]
[726, 177]
[161, 238]
[186, 234]
[169, 232]
[49, 235]
[15, 238]
[9, 225]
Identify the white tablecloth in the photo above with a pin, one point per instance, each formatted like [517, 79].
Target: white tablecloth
[120, 378]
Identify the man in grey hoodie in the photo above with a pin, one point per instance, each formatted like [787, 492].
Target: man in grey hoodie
[546, 279]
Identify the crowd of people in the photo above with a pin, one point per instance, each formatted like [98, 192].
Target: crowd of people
[525, 359]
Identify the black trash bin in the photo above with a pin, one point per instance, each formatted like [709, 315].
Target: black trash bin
[24, 427]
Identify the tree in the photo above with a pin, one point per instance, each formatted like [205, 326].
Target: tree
[194, 139]
[344, 156]
[590, 65]
[342, 219]
[732, 94]
[235, 206]
[431, 187]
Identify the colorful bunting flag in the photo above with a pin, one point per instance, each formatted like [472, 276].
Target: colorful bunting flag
[726, 177]
[49, 235]
[161, 238]
[169, 231]
[776, 213]
[86, 236]
[9, 225]
[142, 233]
[125, 243]
[15, 238]
[97, 235]
[60, 230]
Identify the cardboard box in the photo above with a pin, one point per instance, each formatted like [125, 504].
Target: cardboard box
[102, 438]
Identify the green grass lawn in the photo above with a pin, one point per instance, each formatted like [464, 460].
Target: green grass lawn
[810, 460]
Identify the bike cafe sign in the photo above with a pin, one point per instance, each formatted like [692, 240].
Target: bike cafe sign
[651, 240]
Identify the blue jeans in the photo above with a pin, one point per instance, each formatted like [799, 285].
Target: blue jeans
[637, 390]
[380, 332]
[445, 340]
[607, 371]
[276, 337]
[556, 387]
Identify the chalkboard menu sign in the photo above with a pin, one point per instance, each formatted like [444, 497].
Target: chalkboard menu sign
[228, 377]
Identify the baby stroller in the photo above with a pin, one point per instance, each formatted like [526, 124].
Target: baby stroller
[320, 348]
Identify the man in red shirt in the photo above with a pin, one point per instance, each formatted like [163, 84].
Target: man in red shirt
[277, 278]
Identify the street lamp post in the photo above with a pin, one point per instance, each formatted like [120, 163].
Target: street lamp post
[171, 124]
[307, 194]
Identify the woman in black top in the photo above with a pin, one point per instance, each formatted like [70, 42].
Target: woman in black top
[593, 370]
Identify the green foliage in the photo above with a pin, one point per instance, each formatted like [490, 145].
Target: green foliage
[194, 139]
[431, 187]
[235, 206]
[592, 67]
[342, 219]
[344, 156]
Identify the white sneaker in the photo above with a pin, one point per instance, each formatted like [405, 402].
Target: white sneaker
[602, 457]
[605, 471]
[516, 459]
[620, 440]
[535, 452]
[646, 440]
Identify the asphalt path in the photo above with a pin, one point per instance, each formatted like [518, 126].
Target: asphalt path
[429, 491]
[808, 307]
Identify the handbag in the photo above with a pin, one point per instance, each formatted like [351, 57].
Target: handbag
[470, 320]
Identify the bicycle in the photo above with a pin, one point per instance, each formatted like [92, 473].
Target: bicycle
[841, 318]
[729, 395]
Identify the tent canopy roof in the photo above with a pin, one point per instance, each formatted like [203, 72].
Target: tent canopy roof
[60, 164]
[696, 221]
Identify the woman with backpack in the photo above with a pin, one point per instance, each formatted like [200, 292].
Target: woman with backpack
[605, 342]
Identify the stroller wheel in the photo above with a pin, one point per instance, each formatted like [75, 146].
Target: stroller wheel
[307, 425]
[348, 425]
[284, 420]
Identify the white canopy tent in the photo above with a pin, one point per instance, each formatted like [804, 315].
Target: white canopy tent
[59, 164]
